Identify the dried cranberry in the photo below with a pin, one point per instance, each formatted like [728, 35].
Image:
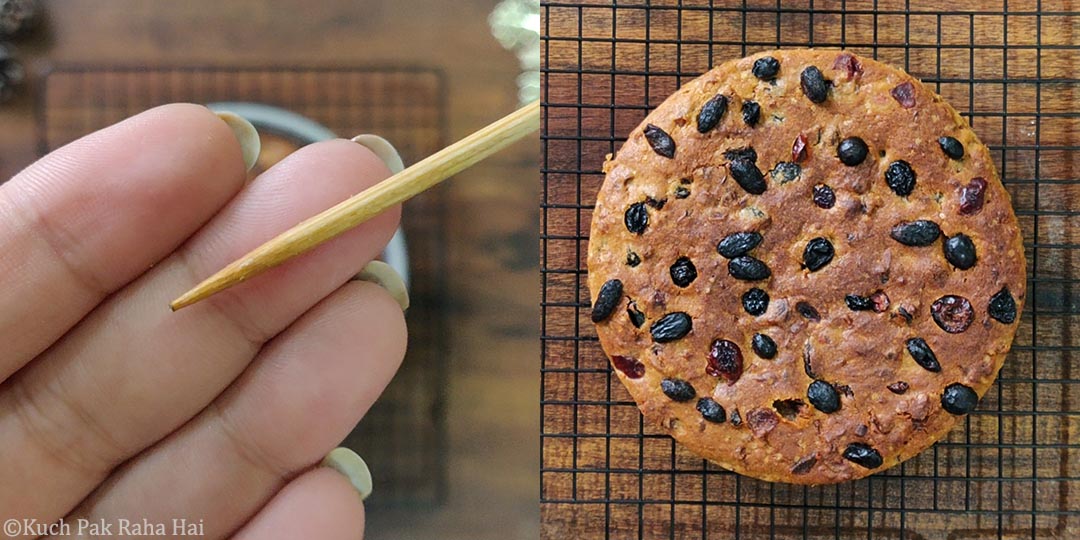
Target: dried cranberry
[881, 301]
[904, 93]
[761, 420]
[798, 148]
[952, 313]
[824, 196]
[628, 366]
[660, 141]
[848, 64]
[972, 196]
[725, 360]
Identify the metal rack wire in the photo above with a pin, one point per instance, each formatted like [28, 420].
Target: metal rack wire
[1012, 469]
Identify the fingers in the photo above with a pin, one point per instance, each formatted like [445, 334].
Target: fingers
[95, 214]
[320, 503]
[298, 399]
[133, 371]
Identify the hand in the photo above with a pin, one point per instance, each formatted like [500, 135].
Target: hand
[112, 407]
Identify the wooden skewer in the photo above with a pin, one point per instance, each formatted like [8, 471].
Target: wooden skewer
[370, 202]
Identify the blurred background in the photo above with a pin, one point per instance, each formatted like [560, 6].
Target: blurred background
[452, 445]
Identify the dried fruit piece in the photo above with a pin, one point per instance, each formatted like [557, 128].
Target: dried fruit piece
[863, 455]
[678, 390]
[631, 367]
[804, 465]
[736, 420]
[898, 387]
[952, 313]
[738, 244]
[858, 303]
[636, 218]
[824, 196]
[1002, 306]
[711, 410]
[748, 268]
[960, 251]
[683, 272]
[655, 203]
[711, 113]
[751, 113]
[763, 346]
[959, 399]
[808, 311]
[900, 177]
[632, 259]
[761, 421]
[952, 147]
[881, 301]
[670, 327]
[725, 360]
[852, 151]
[785, 172]
[681, 192]
[817, 254]
[798, 149]
[904, 94]
[766, 68]
[609, 296]
[922, 354]
[637, 318]
[972, 196]
[919, 233]
[746, 152]
[823, 397]
[755, 301]
[848, 64]
[748, 176]
[660, 141]
[814, 85]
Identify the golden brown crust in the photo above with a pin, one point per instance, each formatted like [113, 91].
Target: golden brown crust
[863, 351]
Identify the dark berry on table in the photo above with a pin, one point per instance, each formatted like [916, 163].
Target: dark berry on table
[919, 233]
[823, 397]
[747, 174]
[738, 244]
[631, 367]
[880, 301]
[960, 251]
[817, 254]
[766, 68]
[922, 354]
[898, 387]
[764, 346]
[681, 192]
[711, 410]
[852, 151]
[636, 218]
[952, 313]
[785, 172]
[804, 465]
[1002, 306]
[848, 64]
[725, 360]
[904, 94]
[607, 299]
[683, 272]
[632, 259]
[858, 303]
[711, 112]
[755, 301]
[637, 318]
[748, 268]
[863, 455]
[972, 196]
[671, 327]
[824, 196]
[746, 152]
[952, 147]
[900, 177]
[678, 390]
[660, 141]
[808, 311]
[814, 85]
[798, 148]
[959, 399]
[751, 113]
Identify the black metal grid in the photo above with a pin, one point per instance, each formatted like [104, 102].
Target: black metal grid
[1012, 468]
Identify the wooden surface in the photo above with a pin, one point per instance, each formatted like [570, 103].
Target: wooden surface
[491, 409]
[1013, 468]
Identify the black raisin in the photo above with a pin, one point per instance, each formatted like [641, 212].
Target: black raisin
[766, 68]
[960, 251]
[900, 177]
[751, 113]
[823, 397]
[748, 268]
[824, 196]
[952, 313]
[804, 465]
[748, 176]
[607, 299]
[755, 301]
[1002, 306]
[671, 327]
[817, 254]
[764, 346]
[711, 112]
[631, 367]
[725, 360]
[711, 410]
[923, 355]
[814, 85]
[678, 389]
[738, 244]
[808, 311]
[898, 387]
[952, 147]
[972, 196]
[785, 172]
[858, 303]
[636, 218]
[637, 318]
[632, 259]
[736, 420]
[863, 455]
[959, 399]
[917, 233]
[660, 141]
[681, 192]
[852, 151]
[746, 152]
[655, 203]
[683, 272]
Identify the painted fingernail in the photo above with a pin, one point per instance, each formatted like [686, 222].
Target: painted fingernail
[348, 463]
[246, 134]
[385, 276]
[383, 149]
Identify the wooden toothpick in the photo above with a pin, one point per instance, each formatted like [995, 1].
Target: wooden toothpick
[370, 202]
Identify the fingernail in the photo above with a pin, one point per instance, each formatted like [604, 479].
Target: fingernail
[385, 276]
[348, 463]
[383, 149]
[246, 134]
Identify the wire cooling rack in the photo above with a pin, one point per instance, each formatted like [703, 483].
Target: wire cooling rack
[403, 436]
[1011, 469]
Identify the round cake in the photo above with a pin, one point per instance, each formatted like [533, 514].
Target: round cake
[804, 267]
